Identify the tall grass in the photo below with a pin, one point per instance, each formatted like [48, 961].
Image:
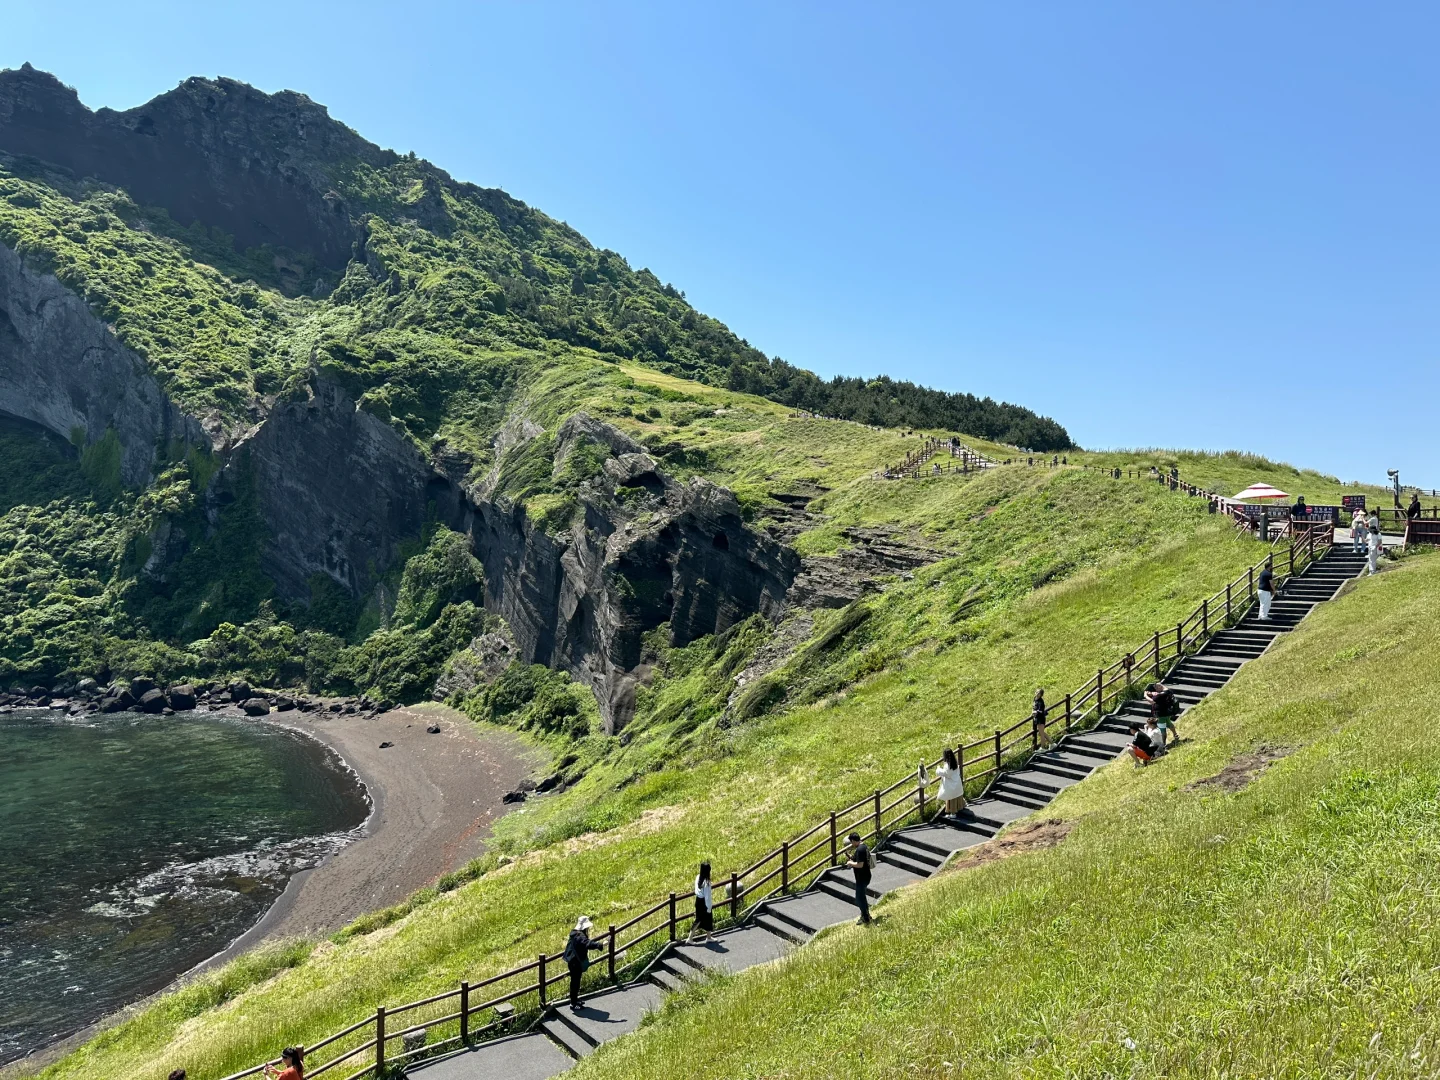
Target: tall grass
[1291, 928]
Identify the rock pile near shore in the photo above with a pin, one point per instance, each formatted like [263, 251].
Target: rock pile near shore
[144, 695]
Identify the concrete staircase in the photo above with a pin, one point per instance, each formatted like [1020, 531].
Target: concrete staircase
[912, 854]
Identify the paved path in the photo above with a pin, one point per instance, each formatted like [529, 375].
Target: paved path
[907, 856]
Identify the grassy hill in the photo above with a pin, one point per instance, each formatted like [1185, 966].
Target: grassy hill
[1053, 571]
[1288, 928]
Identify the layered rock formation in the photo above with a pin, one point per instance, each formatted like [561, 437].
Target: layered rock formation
[61, 368]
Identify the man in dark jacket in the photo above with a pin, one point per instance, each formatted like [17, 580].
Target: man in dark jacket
[1413, 510]
[859, 862]
[577, 956]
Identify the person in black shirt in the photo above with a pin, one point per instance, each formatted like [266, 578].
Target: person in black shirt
[859, 862]
[1266, 587]
[577, 956]
[1299, 510]
[1164, 708]
[1141, 748]
[1413, 510]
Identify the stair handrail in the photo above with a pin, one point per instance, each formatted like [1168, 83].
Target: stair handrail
[874, 817]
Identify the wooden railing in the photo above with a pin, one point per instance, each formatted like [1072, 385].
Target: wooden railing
[965, 460]
[504, 1002]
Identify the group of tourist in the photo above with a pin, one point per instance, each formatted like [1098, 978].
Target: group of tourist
[1152, 739]
[1365, 536]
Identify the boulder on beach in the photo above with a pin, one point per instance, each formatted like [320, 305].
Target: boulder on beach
[182, 697]
[240, 691]
[256, 706]
[152, 701]
[87, 686]
[282, 703]
[117, 701]
[140, 686]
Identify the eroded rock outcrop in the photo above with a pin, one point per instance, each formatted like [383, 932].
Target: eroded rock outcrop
[62, 368]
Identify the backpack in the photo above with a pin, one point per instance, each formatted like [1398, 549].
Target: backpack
[869, 857]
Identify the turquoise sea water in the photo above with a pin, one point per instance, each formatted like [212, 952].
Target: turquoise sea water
[134, 847]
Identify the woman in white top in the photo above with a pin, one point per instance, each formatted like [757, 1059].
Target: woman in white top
[704, 906]
[1358, 531]
[952, 786]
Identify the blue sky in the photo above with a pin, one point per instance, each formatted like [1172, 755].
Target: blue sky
[1209, 225]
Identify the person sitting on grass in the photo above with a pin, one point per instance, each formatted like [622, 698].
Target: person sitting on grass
[1156, 735]
[1141, 748]
[293, 1058]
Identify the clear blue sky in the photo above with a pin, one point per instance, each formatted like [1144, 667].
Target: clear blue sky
[1209, 225]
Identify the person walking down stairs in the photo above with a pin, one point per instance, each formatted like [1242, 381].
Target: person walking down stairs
[704, 906]
[1266, 590]
[861, 862]
[1164, 708]
[1037, 717]
[952, 784]
[577, 956]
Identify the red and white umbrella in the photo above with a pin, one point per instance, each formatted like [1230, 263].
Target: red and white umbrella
[1261, 491]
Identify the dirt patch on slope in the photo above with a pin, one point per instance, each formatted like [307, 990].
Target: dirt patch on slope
[1242, 770]
[1032, 836]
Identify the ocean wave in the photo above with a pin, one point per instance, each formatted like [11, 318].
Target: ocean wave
[221, 878]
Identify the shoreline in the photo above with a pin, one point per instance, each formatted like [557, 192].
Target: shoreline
[433, 799]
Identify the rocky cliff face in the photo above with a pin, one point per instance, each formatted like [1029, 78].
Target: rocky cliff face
[61, 368]
[340, 491]
[583, 599]
[216, 151]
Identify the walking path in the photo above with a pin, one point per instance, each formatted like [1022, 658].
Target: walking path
[907, 856]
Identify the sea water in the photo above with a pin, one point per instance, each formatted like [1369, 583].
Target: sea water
[134, 847]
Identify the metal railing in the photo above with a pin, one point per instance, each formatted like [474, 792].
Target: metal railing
[474, 1011]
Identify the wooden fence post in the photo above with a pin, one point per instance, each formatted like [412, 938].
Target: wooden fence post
[877, 817]
[380, 1043]
[611, 957]
[1067, 712]
[1179, 640]
[1157, 654]
[1100, 691]
[464, 1013]
[1205, 617]
[784, 866]
[997, 752]
[834, 840]
[920, 787]
[734, 895]
[672, 916]
[542, 980]
[1227, 603]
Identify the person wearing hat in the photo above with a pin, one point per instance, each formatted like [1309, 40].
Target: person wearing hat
[577, 956]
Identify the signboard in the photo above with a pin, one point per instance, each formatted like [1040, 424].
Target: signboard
[1322, 513]
[1350, 503]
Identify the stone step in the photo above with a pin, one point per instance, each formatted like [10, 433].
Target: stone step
[1019, 796]
[905, 863]
[667, 978]
[1071, 774]
[574, 1042]
[1047, 784]
[782, 929]
[734, 950]
[516, 1057]
[944, 839]
[920, 856]
[885, 877]
[812, 912]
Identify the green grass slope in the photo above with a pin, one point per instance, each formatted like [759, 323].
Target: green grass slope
[1290, 928]
[1053, 572]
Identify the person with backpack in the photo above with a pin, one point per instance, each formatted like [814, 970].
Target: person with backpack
[1266, 588]
[1164, 708]
[861, 862]
[577, 956]
[704, 906]
[952, 784]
